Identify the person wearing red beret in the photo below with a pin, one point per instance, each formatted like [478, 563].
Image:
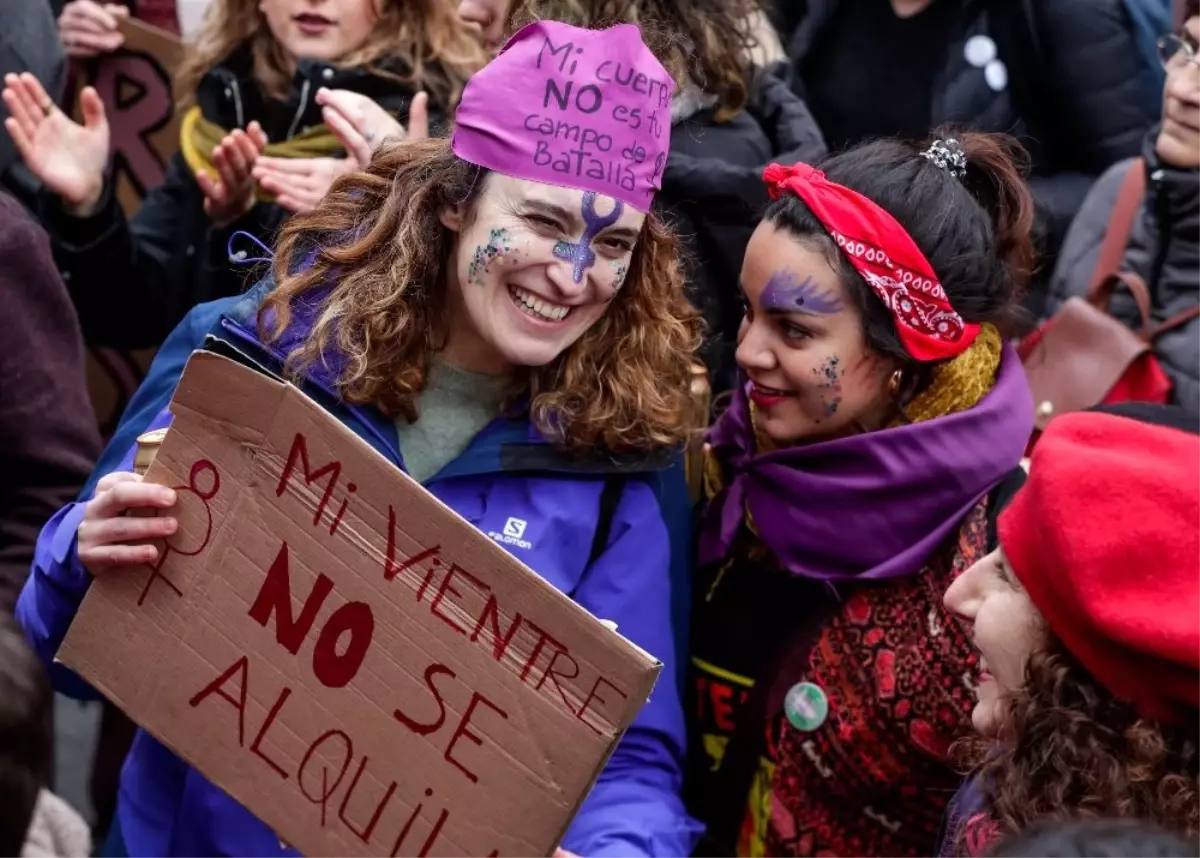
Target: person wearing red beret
[1087, 618]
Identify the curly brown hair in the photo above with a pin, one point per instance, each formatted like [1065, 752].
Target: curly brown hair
[420, 42]
[1073, 751]
[621, 388]
[712, 43]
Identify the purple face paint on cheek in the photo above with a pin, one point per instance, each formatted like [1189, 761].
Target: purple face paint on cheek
[787, 293]
[619, 268]
[498, 244]
[580, 254]
[829, 385]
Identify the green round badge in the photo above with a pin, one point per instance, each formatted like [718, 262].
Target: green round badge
[806, 706]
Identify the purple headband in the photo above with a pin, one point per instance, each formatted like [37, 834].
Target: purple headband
[586, 109]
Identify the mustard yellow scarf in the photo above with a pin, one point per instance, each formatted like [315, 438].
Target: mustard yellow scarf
[198, 137]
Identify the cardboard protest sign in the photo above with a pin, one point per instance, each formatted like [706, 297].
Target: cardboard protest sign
[135, 85]
[344, 655]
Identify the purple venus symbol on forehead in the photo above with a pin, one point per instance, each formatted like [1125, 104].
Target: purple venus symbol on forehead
[787, 293]
[580, 253]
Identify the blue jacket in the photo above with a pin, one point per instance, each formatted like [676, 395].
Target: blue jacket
[168, 808]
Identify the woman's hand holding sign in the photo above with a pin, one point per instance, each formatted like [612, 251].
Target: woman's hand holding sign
[67, 157]
[109, 537]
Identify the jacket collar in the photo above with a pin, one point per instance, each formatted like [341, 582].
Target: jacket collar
[230, 96]
[506, 445]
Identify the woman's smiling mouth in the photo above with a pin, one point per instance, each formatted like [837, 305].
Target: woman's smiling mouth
[538, 308]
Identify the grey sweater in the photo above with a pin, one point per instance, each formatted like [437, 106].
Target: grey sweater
[454, 406]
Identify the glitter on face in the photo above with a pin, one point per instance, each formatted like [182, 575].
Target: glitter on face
[580, 254]
[620, 268]
[829, 377]
[498, 242]
[787, 293]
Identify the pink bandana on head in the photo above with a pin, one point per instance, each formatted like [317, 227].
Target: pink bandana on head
[585, 109]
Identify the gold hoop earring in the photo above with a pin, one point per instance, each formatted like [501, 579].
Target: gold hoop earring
[895, 383]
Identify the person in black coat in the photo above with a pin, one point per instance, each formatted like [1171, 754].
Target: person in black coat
[254, 74]
[1062, 76]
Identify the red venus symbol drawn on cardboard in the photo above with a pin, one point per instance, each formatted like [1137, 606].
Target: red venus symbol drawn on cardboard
[191, 501]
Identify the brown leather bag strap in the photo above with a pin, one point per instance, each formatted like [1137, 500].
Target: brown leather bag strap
[1101, 295]
[1120, 223]
[1178, 320]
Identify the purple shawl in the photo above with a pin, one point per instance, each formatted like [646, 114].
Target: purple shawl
[870, 506]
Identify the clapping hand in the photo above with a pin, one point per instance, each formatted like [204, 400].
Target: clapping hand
[362, 125]
[231, 194]
[68, 158]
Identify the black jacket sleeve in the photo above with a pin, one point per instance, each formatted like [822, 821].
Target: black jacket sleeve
[132, 281]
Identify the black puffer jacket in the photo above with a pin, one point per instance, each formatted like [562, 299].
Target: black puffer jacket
[1073, 95]
[713, 189]
[1163, 249]
[132, 281]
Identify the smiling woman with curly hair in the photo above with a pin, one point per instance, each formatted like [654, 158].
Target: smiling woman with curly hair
[1088, 621]
[502, 317]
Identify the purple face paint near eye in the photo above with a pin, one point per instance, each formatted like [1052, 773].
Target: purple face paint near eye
[787, 293]
[580, 254]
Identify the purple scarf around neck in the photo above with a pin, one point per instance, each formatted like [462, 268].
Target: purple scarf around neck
[872, 506]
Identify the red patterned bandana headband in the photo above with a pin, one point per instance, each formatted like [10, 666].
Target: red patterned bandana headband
[886, 257]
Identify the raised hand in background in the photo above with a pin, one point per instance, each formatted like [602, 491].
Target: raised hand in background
[88, 29]
[68, 158]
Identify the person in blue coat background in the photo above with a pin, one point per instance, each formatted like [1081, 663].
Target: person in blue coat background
[511, 334]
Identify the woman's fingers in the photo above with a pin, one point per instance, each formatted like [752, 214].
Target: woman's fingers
[418, 117]
[106, 556]
[129, 495]
[109, 480]
[356, 146]
[210, 187]
[34, 94]
[295, 203]
[89, 11]
[257, 136]
[127, 528]
[92, 108]
[23, 143]
[349, 104]
[246, 150]
[80, 44]
[226, 171]
[235, 164]
[22, 110]
[283, 166]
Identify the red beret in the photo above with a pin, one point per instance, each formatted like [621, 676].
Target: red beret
[1105, 538]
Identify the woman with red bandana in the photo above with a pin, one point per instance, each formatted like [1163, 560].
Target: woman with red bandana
[857, 470]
